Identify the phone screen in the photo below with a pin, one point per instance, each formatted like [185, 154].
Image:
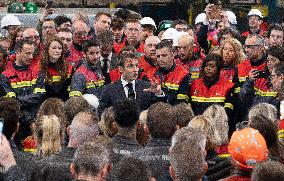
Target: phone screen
[1, 128]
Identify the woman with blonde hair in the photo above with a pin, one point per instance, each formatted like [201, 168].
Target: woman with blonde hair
[219, 118]
[232, 53]
[206, 125]
[218, 167]
[49, 134]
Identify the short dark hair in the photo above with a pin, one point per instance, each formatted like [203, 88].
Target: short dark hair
[126, 113]
[212, 57]
[130, 168]
[268, 170]
[184, 114]
[235, 33]
[274, 27]
[165, 44]
[90, 158]
[279, 70]
[64, 30]
[161, 120]
[99, 14]
[126, 56]
[179, 21]
[105, 37]
[132, 19]
[59, 20]
[20, 44]
[276, 51]
[117, 23]
[88, 44]
[10, 112]
[73, 106]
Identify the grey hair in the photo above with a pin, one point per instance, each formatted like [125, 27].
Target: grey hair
[84, 127]
[265, 109]
[90, 158]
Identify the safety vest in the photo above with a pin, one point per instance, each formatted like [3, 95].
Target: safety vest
[202, 96]
[93, 82]
[145, 65]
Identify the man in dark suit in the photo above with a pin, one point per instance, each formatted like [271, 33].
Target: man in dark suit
[128, 87]
[108, 59]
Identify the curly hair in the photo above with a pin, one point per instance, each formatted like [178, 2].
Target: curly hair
[240, 55]
[61, 65]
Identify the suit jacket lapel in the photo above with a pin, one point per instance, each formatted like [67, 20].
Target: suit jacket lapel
[120, 89]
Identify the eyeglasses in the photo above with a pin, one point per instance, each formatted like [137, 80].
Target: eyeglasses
[81, 34]
[133, 29]
[32, 37]
[48, 27]
[252, 46]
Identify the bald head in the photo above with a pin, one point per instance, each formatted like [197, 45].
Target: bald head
[150, 47]
[185, 47]
[32, 35]
[80, 26]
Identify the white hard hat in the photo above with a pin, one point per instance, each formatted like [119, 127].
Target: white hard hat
[169, 34]
[92, 100]
[148, 21]
[177, 36]
[255, 12]
[231, 17]
[9, 19]
[200, 18]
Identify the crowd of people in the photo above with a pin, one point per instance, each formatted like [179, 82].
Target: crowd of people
[126, 99]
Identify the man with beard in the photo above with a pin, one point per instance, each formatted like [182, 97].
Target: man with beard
[87, 78]
[173, 78]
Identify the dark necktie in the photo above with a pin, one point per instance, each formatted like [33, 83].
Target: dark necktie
[104, 71]
[131, 94]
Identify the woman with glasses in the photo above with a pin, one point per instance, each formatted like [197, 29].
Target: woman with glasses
[258, 88]
[56, 70]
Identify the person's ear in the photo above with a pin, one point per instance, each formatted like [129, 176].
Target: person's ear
[177, 127]
[172, 172]
[72, 170]
[146, 129]
[114, 126]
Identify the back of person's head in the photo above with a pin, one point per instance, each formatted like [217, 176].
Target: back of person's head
[105, 37]
[184, 114]
[91, 160]
[107, 123]
[268, 130]
[247, 147]
[161, 120]
[187, 162]
[264, 109]
[53, 106]
[48, 135]
[73, 106]
[126, 113]
[208, 128]
[129, 169]
[10, 113]
[83, 128]
[220, 119]
[268, 170]
[61, 19]
[190, 136]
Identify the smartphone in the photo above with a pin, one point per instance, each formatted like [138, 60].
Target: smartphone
[261, 74]
[215, 12]
[1, 129]
[49, 4]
